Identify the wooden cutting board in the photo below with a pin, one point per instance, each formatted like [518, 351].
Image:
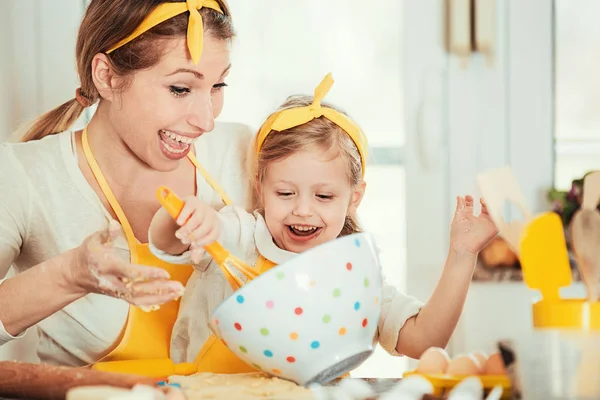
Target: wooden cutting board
[47, 382]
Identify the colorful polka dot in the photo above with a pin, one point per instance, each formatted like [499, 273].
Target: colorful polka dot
[276, 371]
[337, 292]
[291, 359]
[326, 318]
[349, 266]
[342, 331]
[357, 306]
[216, 322]
[237, 326]
[294, 336]
[280, 275]
[312, 283]
[357, 242]
[376, 300]
[264, 332]
[365, 322]
[270, 304]
[268, 353]
[315, 344]
[243, 349]
[298, 311]
[240, 299]
[366, 282]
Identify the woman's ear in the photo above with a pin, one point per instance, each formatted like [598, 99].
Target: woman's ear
[104, 77]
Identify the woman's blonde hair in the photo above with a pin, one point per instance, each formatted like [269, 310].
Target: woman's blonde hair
[320, 133]
[107, 22]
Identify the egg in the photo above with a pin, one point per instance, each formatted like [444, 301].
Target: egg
[464, 365]
[434, 360]
[481, 357]
[494, 365]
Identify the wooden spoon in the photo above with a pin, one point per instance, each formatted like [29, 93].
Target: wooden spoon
[585, 236]
[498, 186]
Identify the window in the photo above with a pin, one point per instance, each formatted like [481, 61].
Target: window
[577, 89]
[286, 48]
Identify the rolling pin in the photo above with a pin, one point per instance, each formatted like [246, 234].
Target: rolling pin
[48, 382]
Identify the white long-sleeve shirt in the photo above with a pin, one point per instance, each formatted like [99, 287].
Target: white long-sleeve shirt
[48, 207]
[246, 235]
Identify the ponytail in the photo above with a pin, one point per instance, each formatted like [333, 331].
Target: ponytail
[54, 121]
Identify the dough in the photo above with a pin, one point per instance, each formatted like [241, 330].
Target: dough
[239, 386]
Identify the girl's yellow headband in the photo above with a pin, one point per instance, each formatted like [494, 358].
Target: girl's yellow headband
[165, 11]
[296, 116]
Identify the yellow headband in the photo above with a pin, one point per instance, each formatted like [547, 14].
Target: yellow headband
[292, 117]
[165, 11]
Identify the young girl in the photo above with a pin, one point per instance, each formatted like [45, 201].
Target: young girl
[309, 168]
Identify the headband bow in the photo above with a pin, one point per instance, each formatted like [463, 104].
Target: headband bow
[165, 11]
[296, 116]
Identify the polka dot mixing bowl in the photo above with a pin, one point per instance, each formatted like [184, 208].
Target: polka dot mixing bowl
[311, 318]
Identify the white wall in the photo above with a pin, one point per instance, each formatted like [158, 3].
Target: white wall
[37, 40]
[5, 75]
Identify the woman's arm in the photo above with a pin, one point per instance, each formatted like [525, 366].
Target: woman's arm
[37, 293]
[92, 267]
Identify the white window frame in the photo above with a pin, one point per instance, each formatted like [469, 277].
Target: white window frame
[504, 115]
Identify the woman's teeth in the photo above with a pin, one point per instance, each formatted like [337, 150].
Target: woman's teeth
[179, 138]
[175, 143]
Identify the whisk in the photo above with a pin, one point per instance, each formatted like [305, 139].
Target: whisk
[222, 256]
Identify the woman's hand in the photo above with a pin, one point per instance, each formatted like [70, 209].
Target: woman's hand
[200, 226]
[470, 233]
[96, 268]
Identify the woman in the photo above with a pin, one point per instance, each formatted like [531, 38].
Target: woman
[76, 206]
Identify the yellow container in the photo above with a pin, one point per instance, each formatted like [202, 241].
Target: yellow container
[566, 314]
[443, 383]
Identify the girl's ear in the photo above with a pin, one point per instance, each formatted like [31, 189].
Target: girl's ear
[357, 196]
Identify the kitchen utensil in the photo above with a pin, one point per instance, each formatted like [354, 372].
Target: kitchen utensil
[310, 319]
[544, 256]
[585, 236]
[498, 186]
[41, 381]
[222, 257]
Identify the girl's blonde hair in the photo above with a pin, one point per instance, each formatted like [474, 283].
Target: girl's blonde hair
[107, 22]
[319, 132]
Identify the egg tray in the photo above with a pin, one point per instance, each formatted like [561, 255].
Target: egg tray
[444, 382]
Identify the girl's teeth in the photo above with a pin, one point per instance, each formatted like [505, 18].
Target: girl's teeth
[304, 228]
[182, 139]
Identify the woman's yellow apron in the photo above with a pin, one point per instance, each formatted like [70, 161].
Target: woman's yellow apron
[147, 335]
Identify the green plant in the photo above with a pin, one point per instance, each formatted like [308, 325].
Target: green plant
[566, 203]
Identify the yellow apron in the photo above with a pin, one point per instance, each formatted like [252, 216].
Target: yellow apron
[215, 356]
[146, 335]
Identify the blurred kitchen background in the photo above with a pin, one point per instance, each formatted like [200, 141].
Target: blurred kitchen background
[443, 89]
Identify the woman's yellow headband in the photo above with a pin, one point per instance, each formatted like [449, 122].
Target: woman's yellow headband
[296, 116]
[165, 11]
